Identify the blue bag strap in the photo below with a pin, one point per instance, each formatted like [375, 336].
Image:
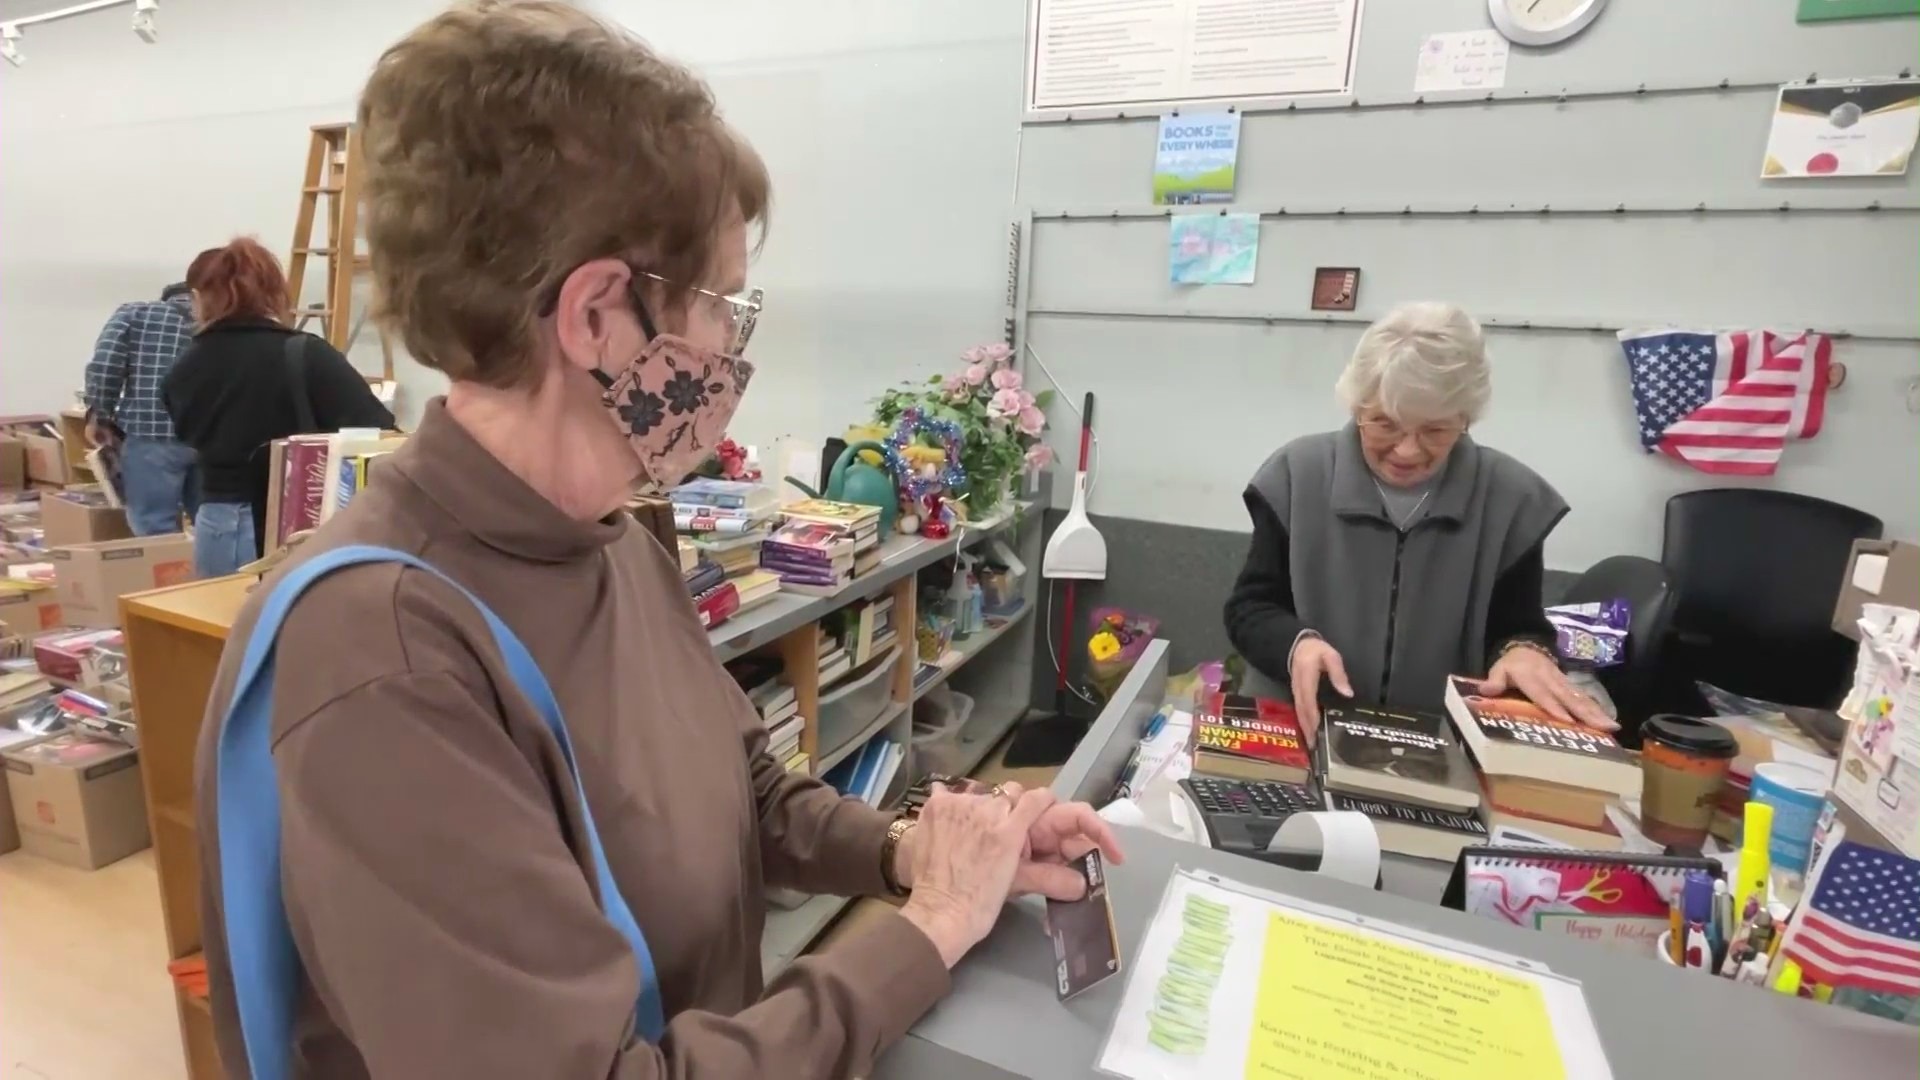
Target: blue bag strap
[266, 966]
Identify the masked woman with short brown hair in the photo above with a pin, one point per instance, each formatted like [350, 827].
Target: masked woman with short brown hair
[496, 810]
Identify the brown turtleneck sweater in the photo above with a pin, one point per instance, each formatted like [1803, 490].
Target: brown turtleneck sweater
[437, 877]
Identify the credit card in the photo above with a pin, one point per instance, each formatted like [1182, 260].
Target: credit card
[1086, 948]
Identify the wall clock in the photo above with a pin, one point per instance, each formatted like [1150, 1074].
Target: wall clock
[1542, 22]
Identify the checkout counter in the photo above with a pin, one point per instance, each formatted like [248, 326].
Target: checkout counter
[1004, 1020]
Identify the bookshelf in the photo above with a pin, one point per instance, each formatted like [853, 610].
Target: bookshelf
[174, 639]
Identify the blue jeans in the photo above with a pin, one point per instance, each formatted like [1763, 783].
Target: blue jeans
[222, 538]
[160, 482]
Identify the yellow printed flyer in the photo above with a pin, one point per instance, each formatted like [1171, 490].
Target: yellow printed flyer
[1231, 982]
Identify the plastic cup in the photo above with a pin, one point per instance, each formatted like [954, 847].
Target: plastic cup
[1683, 763]
[1796, 793]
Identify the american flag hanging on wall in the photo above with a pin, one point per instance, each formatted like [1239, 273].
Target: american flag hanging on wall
[1726, 403]
[1861, 925]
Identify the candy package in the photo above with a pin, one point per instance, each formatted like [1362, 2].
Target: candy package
[1591, 635]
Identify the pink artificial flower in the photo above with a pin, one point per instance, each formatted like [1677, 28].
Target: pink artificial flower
[954, 386]
[997, 354]
[1032, 421]
[975, 374]
[975, 355]
[1039, 457]
[1006, 379]
[1026, 399]
[1005, 403]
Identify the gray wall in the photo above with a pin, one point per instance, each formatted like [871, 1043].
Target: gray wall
[890, 129]
[1189, 407]
[1178, 574]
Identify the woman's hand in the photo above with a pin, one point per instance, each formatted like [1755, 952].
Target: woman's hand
[1536, 675]
[1312, 660]
[965, 853]
[1064, 833]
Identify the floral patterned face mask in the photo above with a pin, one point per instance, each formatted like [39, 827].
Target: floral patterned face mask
[675, 399]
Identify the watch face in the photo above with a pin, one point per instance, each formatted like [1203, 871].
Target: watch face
[1543, 15]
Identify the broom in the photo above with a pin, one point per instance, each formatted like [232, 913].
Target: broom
[1076, 552]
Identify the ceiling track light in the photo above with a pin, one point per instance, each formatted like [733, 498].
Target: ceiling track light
[144, 23]
[143, 20]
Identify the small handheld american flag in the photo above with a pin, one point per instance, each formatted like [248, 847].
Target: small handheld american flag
[1726, 403]
[1860, 927]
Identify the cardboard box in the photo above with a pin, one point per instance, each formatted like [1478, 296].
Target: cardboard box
[9, 827]
[81, 516]
[93, 577]
[77, 800]
[46, 459]
[13, 463]
[28, 609]
[1878, 572]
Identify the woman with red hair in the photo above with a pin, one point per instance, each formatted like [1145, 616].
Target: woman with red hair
[248, 379]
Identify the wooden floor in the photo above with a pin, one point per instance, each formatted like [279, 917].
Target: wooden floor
[84, 993]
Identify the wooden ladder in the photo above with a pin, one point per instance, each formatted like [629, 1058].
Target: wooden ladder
[332, 185]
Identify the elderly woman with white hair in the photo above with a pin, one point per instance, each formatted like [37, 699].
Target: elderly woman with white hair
[1397, 551]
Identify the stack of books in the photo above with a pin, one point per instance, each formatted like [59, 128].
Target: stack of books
[835, 661]
[1407, 772]
[719, 509]
[1243, 738]
[823, 545]
[714, 597]
[1540, 774]
[778, 705]
[869, 771]
[725, 522]
[867, 628]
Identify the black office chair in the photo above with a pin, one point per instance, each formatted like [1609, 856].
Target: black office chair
[1756, 573]
[1648, 590]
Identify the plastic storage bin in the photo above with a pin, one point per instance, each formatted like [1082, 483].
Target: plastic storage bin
[938, 720]
[850, 708]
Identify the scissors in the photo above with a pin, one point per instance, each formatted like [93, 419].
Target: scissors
[1589, 891]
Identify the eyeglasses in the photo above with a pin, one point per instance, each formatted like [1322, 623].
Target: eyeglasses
[738, 313]
[1384, 432]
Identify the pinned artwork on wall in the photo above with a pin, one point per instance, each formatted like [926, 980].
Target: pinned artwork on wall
[1825, 10]
[1213, 249]
[1195, 157]
[1862, 128]
[1336, 288]
[1727, 402]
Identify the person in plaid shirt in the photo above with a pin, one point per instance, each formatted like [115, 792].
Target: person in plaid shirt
[135, 351]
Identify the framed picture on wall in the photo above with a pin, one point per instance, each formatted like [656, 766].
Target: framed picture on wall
[1825, 130]
[1336, 288]
[1823, 10]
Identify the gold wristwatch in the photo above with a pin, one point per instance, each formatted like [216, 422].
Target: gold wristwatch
[890, 851]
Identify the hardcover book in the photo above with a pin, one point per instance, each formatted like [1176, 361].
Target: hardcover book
[1397, 754]
[1420, 831]
[1249, 739]
[812, 539]
[1514, 737]
[717, 604]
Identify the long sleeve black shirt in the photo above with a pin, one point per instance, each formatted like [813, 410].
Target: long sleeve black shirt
[230, 395]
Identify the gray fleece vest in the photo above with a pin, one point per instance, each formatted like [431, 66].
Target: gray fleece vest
[1487, 512]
